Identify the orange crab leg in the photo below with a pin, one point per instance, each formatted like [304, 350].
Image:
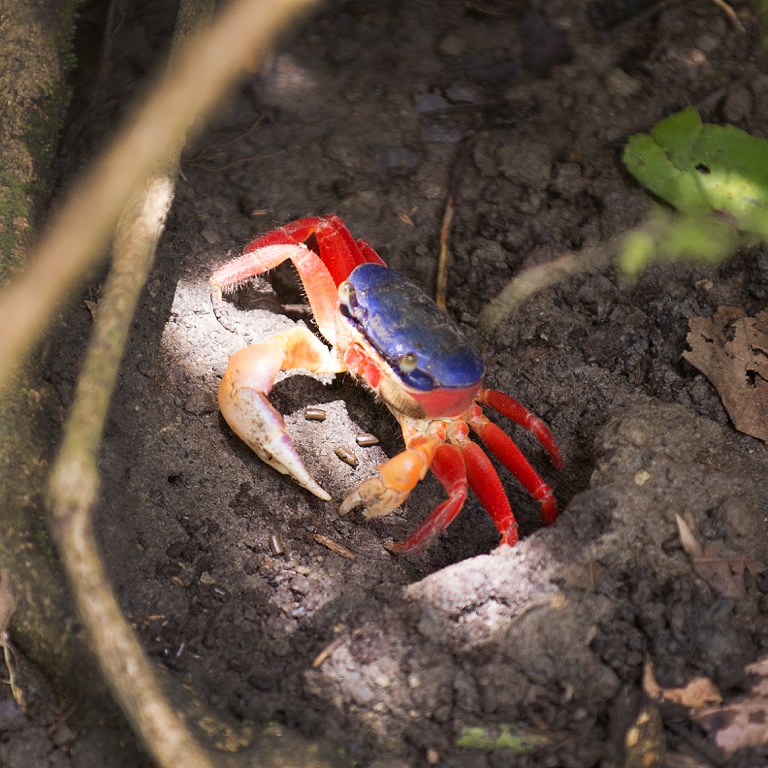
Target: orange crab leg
[448, 467]
[243, 400]
[504, 448]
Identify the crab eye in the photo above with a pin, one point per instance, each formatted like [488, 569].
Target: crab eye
[407, 362]
[346, 292]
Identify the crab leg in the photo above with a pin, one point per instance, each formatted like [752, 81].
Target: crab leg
[243, 397]
[504, 448]
[448, 467]
[339, 251]
[398, 477]
[517, 412]
[485, 482]
[320, 286]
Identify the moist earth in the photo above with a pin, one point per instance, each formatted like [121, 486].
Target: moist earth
[377, 112]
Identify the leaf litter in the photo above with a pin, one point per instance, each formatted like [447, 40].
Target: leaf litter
[731, 350]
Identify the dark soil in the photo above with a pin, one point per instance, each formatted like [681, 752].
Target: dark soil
[365, 110]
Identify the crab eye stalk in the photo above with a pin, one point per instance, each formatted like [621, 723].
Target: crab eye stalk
[346, 292]
[407, 362]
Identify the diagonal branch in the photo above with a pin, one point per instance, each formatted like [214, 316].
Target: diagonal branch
[74, 484]
[74, 491]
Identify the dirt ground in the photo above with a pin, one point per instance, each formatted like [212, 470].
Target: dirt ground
[365, 110]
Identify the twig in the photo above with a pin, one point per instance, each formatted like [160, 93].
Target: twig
[538, 278]
[74, 488]
[733, 17]
[441, 286]
[334, 546]
[78, 233]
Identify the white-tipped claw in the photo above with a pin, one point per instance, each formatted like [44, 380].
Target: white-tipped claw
[262, 428]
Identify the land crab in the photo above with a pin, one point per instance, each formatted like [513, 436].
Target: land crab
[387, 333]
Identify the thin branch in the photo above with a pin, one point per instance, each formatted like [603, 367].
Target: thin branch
[538, 278]
[74, 484]
[457, 177]
[74, 489]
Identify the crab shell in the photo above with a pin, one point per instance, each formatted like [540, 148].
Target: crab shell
[432, 369]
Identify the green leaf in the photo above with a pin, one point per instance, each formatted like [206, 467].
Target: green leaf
[717, 175]
[696, 167]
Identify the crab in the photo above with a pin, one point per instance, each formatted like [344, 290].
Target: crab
[387, 333]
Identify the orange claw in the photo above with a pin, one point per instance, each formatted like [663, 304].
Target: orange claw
[398, 477]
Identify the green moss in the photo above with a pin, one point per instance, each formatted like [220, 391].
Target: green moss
[36, 41]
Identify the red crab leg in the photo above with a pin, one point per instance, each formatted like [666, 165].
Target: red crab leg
[448, 467]
[340, 252]
[509, 407]
[486, 484]
[504, 448]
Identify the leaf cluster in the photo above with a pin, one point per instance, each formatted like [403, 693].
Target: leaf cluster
[713, 178]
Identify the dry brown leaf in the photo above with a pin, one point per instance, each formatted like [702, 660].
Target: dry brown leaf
[738, 725]
[759, 671]
[724, 573]
[731, 350]
[699, 693]
[744, 722]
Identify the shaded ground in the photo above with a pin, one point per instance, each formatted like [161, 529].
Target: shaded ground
[363, 111]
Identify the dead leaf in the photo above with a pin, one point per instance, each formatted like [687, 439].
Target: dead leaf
[724, 573]
[759, 671]
[743, 722]
[92, 307]
[731, 350]
[738, 725]
[699, 693]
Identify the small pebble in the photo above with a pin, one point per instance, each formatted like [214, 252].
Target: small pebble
[211, 236]
[738, 105]
[442, 134]
[494, 75]
[431, 102]
[200, 402]
[451, 45]
[464, 92]
[641, 478]
[400, 161]
[708, 42]
[621, 84]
